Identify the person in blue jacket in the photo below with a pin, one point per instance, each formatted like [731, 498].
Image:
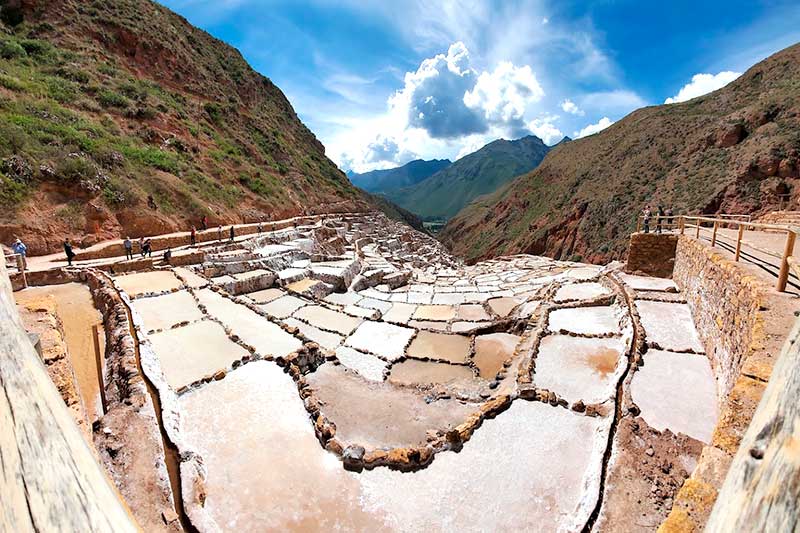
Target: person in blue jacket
[22, 251]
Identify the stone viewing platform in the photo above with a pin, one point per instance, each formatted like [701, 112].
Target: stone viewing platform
[344, 371]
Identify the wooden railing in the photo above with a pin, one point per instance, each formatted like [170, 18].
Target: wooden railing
[743, 223]
[49, 478]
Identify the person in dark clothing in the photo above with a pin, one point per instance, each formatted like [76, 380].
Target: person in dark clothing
[668, 214]
[659, 218]
[232, 234]
[167, 255]
[204, 222]
[194, 235]
[260, 228]
[219, 233]
[646, 219]
[147, 250]
[68, 251]
[128, 248]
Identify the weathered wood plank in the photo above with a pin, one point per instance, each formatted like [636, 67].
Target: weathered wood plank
[762, 489]
[49, 479]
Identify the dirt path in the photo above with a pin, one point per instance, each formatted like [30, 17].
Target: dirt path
[78, 315]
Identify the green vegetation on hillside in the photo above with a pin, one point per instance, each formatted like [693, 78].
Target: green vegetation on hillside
[114, 102]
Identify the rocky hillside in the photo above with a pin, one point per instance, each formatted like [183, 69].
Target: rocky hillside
[729, 151]
[119, 117]
[395, 178]
[445, 193]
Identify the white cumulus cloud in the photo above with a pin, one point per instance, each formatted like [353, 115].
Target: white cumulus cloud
[591, 129]
[568, 106]
[703, 84]
[504, 94]
[545, 129]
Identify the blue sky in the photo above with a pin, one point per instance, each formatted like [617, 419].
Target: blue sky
[381, 83]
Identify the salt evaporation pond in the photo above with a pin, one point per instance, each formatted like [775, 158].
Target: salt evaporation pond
[669, 325]
[677, 391]
[163, 312]
[586, 320]
[578, 368]
[267, 471]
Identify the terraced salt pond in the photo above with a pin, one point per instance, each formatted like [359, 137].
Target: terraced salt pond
[292, 483]
[460, 398]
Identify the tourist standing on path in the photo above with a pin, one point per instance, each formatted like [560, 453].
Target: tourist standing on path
[260, 229]
[668, 214]
[68, 251]
[646, 219]
[219, 232]
[167, 255]
[194, 235]
[22, 252]
[232, 234]
[204, 222]
[147, 249]
[128, 248]
[659, 217]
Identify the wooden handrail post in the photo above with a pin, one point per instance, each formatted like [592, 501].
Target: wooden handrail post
[714, 234]
[697, 235]
[783, 276]
[739, 242]
[682, 223]
[98, 357]
[638, 224]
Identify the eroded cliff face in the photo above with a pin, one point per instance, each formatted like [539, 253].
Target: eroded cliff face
[119, 117]
[736, 150]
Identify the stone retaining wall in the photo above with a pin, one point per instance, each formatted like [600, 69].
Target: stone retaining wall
[652, 254]
[726, 304]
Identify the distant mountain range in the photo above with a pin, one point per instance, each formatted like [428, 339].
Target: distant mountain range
[395, 178]
[438, 189]
[735, 150]
[446, 192]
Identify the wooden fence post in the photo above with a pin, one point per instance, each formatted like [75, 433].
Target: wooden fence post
[783, 276]
[714, 234]
[682, 222]
[98, 356]
[638, 224]
[739, 242]
[697, 235]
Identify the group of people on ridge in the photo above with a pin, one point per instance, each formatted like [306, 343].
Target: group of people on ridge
[145, 245]
[662, 217]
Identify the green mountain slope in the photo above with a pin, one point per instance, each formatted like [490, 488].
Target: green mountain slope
[446, 192]
[728, 151]
[395, 178]
[118, 116]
